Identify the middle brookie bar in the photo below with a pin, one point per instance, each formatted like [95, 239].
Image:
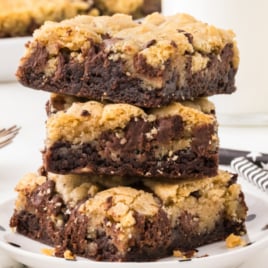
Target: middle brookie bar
[176, 141]
[128, 223]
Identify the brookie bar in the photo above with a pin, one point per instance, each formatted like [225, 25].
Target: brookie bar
[175, 141]
[22, 17]
[136, 8]
[114, 58]
[123, 223]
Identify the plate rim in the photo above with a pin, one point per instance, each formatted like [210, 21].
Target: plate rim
[241, 251]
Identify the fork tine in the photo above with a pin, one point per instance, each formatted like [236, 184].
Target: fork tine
[13, 129]
[5, 142]
[7, 135]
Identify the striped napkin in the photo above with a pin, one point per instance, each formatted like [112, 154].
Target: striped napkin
[253, 169]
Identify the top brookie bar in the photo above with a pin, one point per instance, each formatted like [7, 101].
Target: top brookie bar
[148, 64]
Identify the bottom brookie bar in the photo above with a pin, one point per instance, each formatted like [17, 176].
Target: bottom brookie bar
[140, 222]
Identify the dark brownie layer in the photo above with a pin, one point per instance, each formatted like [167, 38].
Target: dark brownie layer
[34, 222]
[136, 155]
[150, 6]
[99, 78]
[137, 9]
[146, 248]
[159, 239]
[153, 240]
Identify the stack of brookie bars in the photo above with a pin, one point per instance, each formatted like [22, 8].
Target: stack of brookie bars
[131, 152]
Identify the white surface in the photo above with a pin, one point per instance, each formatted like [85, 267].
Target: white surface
[26, 108]
[250, 25]
[11, 50]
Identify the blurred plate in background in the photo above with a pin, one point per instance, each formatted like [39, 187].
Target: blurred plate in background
[11, 51]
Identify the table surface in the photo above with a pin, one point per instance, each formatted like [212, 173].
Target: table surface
[26, 108]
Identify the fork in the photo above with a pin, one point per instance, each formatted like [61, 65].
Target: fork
[7, 135]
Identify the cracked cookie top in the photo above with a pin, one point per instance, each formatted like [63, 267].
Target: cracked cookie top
[157, 38]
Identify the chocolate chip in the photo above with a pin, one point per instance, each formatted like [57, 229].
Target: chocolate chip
[173, 44]
[187, 35]
[109, 202]
[85, 113]
[196, 194]
[150, 43]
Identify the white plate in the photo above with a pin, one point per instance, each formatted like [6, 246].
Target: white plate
[11, 51]
[29, 253]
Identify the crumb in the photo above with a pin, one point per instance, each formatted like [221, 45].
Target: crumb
[234, 241]
[48, 251]
[178, 253]
[184, 254]
[68, 255]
